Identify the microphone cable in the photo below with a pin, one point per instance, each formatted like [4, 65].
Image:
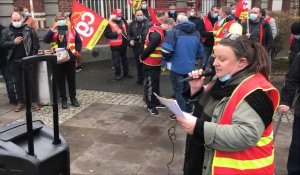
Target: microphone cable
[172, 136]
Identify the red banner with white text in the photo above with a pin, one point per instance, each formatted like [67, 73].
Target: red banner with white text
[88, 24]
[242, 10]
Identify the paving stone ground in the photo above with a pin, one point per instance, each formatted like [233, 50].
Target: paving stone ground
[113, 133]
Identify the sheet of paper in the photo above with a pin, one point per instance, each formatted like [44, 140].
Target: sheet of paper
[171, 104]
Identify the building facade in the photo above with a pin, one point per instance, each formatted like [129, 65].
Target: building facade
[45, 10]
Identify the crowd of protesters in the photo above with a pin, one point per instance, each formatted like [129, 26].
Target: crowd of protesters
[186, 44]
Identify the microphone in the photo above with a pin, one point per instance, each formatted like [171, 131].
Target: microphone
[206, 73]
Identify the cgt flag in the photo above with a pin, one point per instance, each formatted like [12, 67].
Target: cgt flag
[242, 10]
[88, 24]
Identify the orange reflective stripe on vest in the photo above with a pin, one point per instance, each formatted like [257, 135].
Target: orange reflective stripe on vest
[259, 159]
[155, 58]
[208, 26]
[119, 40]
[222, 30]
[70, 41]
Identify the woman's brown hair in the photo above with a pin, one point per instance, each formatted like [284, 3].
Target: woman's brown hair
[255, 53]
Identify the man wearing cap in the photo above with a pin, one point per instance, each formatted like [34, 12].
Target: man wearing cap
[116, 32]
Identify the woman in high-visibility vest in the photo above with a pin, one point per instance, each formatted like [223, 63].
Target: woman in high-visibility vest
[233, 113]
[62, 35]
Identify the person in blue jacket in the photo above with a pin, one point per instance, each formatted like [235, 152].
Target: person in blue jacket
[181, 48]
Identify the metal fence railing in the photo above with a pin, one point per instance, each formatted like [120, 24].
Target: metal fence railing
[104, 7]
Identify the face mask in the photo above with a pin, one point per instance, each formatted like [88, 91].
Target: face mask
[144, 6]
[297, 37]
[225, 78]
[139, 18]
[62, 22]
[17, 24]
[233, 12]
[214, 15]
[220, 21]
[172, 11]
[118, 18]
[253, 17]
[192, 13]
[26, 14]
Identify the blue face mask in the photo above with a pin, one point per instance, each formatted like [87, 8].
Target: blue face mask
[118, 18]
[214, 15]
[144, 6]
[297, 37]
[232, 12]
[253, 17]
[172, 11]
[225, 78]
[62, 22]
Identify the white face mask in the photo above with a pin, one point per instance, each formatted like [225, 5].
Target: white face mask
[26, 14]
[17, 24]
[192, 14]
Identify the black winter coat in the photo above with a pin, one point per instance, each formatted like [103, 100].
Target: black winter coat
[291, 86]
[30, 41]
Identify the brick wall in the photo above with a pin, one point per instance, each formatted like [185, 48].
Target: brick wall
[286, 5]
[65, 5]
[165, 3]
[38, 5]
[256, 3]
[221, 3]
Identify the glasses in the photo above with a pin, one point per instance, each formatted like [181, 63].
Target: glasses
[235, 37]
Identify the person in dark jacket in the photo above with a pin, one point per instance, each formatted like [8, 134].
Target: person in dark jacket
[21, 41]
[172, 12]
[256, 24]
[295, 41]
[137, 32]
[6, 73]
[144, 7]
[152, 58]
[206, 31]
[66, 70]
[116, 32]
[180, 50]
[194, 18]
[289, 91]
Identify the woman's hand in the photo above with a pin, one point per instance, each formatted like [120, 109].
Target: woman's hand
[283, 109]
[54, 27]
[188, 123]
[197, 83]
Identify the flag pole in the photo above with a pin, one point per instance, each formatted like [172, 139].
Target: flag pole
[31, 8]
[248, 29]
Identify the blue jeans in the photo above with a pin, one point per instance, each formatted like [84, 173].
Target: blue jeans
[179, 88]
[293, 165]
[7, 75]
[206, 55]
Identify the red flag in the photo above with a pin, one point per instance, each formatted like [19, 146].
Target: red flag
[241, 10]
[152, 15]
[88, 24]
